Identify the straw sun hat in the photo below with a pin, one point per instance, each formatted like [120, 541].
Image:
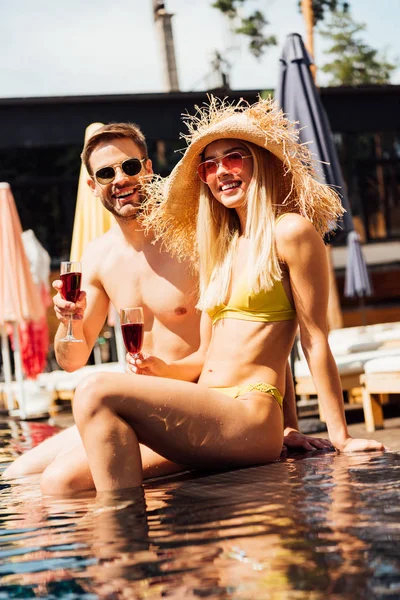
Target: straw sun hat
[171, 209]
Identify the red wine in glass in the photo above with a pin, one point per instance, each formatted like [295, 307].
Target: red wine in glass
[132, 326]
[70, 275]
[71, 286]
[133, 337]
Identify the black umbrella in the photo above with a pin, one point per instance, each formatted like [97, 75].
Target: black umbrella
[298, 97]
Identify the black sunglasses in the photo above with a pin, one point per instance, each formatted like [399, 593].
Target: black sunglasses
[130, 166]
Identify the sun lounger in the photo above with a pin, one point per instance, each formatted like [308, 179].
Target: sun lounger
[381, 377]
[41, 394]
[63, 384]
[352, 348]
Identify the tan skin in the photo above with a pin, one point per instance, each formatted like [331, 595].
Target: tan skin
[201, 427]
[157, 282]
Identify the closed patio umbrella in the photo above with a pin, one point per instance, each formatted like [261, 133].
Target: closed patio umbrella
[91, 218]
[35, 335]
[298, 97]
[20, 300]
[357, 281]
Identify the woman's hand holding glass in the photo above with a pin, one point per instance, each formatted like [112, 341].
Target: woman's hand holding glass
[132, 325]
[146, 364]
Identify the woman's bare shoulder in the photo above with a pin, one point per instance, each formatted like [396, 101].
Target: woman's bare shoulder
[293, 226]
[297, 239]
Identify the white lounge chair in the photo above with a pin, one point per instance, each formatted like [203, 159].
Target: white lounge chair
[381, 377]
[63, 384]
[352, 347]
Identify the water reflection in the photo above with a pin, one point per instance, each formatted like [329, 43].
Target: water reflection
[323, 526]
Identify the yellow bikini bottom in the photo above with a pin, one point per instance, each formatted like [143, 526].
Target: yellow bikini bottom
[239, 390]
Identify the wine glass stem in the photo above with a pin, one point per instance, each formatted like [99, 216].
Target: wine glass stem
[69, 330]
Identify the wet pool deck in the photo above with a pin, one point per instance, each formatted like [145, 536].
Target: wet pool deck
[312, 526]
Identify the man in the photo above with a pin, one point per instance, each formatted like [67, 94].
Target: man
[127, 267]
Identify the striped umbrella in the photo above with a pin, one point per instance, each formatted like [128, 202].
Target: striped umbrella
[91, 218]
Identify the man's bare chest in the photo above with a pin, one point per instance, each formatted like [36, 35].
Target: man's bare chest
[163, 287]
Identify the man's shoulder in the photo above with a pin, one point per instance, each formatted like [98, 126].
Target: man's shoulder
[104, 241]
[100, 248]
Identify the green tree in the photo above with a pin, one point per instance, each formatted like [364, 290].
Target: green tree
[254, 25]
[354, 62]
[321, 7]
[251, 26]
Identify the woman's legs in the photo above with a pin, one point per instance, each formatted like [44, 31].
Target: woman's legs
[185, 422]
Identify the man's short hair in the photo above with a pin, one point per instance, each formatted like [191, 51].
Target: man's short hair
[113, 131]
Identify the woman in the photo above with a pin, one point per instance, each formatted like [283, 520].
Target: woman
[243, 204]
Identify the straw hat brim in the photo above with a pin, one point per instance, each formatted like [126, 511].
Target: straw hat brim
[173, 202]
[184, 181]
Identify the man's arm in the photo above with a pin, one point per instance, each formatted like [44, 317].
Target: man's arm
[90, 312]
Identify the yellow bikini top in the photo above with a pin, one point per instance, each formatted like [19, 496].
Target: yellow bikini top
[265, 306]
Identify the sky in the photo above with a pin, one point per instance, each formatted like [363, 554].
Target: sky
[86, 47]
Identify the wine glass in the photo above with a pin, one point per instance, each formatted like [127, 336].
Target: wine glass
[70, 275]
[132, 326]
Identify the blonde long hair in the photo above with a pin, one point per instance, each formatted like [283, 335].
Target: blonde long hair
[218, 229]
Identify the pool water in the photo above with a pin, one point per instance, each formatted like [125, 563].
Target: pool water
[312, 527]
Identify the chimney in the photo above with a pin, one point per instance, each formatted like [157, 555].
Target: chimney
[164, 31]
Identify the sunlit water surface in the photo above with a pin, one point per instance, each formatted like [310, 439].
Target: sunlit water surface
[316, 527]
